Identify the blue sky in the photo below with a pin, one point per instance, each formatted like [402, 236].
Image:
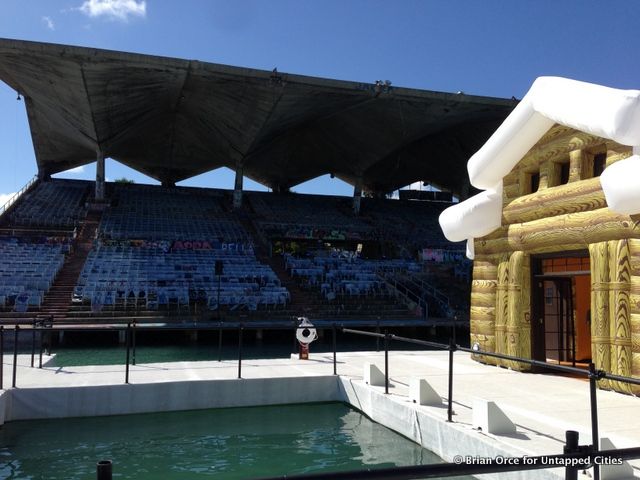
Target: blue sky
[483, 47]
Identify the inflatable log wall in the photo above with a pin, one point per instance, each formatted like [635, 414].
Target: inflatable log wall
[553, 203]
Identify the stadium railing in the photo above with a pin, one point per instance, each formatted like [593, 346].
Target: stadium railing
[16, 196]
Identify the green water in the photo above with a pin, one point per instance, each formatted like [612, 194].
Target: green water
[221, 444]
[180, 351]
[66, 357]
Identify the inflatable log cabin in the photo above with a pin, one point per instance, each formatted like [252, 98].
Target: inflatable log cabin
[555, 235]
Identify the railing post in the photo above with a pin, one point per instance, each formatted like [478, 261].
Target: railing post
[377, 338]
[1, 357]
[128, 343]
[219, 340]
[335, 366]
[49, 336]
[593, 388]
[41, 343]
[571, 446]
[294, 349]
[16, 331]
[386, 362]
[452, 348]
[104, 470]
[133, 339]
[33, 342]
[240, 351]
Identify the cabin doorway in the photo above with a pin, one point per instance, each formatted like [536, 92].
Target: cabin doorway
[561, 321]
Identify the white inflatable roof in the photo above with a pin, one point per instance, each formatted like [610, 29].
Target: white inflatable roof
[602, 111]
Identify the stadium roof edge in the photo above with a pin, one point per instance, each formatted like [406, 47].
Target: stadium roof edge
[195, 116]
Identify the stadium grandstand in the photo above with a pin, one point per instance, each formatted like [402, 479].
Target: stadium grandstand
[85, 250]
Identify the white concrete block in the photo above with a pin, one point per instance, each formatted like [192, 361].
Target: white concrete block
[614, 472]
[488, 417]
[422, 393]
[373, 375]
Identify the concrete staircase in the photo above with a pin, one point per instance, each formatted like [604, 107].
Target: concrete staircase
[58, 299]
[301, 300]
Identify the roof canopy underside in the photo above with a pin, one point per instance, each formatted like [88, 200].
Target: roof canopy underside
[173, 119]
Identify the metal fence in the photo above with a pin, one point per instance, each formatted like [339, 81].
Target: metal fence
[575, 457]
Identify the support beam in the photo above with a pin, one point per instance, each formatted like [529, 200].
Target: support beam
[237, 188]
[357, 196]
[280, 188]
[99, 175]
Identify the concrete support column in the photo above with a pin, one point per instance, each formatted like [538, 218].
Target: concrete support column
[237, 188]
[357, 196]
[43, 176]
[99, 175]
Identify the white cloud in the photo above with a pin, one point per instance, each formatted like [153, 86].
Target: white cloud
[114, 9]
[48, 23]
[4, 198]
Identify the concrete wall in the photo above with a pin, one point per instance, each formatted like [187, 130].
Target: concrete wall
[444, 439]
[89, 401]
[397, 413]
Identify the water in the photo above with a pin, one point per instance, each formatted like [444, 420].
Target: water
[155, 350]
[225, 444]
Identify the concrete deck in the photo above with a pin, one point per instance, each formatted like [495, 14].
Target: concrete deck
[543, 407]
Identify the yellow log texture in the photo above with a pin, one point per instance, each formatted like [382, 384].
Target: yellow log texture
[619, 311]
[635, 333]
[485, 268]
[514, 307]
[618, 153]
[502, 306]
[576, 165]
[635, 372]
[525, 323]
[518, 330]
[483, 299]
[634, 298]
[635, 364]
[634, 251]
[487, 343]
[558, 233]
[510, 191]
[555, 148]
[483, 303]
[600, 337]
[570, 198]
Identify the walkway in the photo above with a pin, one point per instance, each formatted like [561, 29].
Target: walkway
[542, 406]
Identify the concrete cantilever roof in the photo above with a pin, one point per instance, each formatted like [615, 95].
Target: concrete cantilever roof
[173, 119]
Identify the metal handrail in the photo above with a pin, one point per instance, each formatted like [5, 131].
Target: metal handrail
[398, 473]
[14, 198]
[408, 295]
[593, 374]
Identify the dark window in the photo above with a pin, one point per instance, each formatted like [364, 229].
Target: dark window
[599, 162]
[534, 182]
[564, 173]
